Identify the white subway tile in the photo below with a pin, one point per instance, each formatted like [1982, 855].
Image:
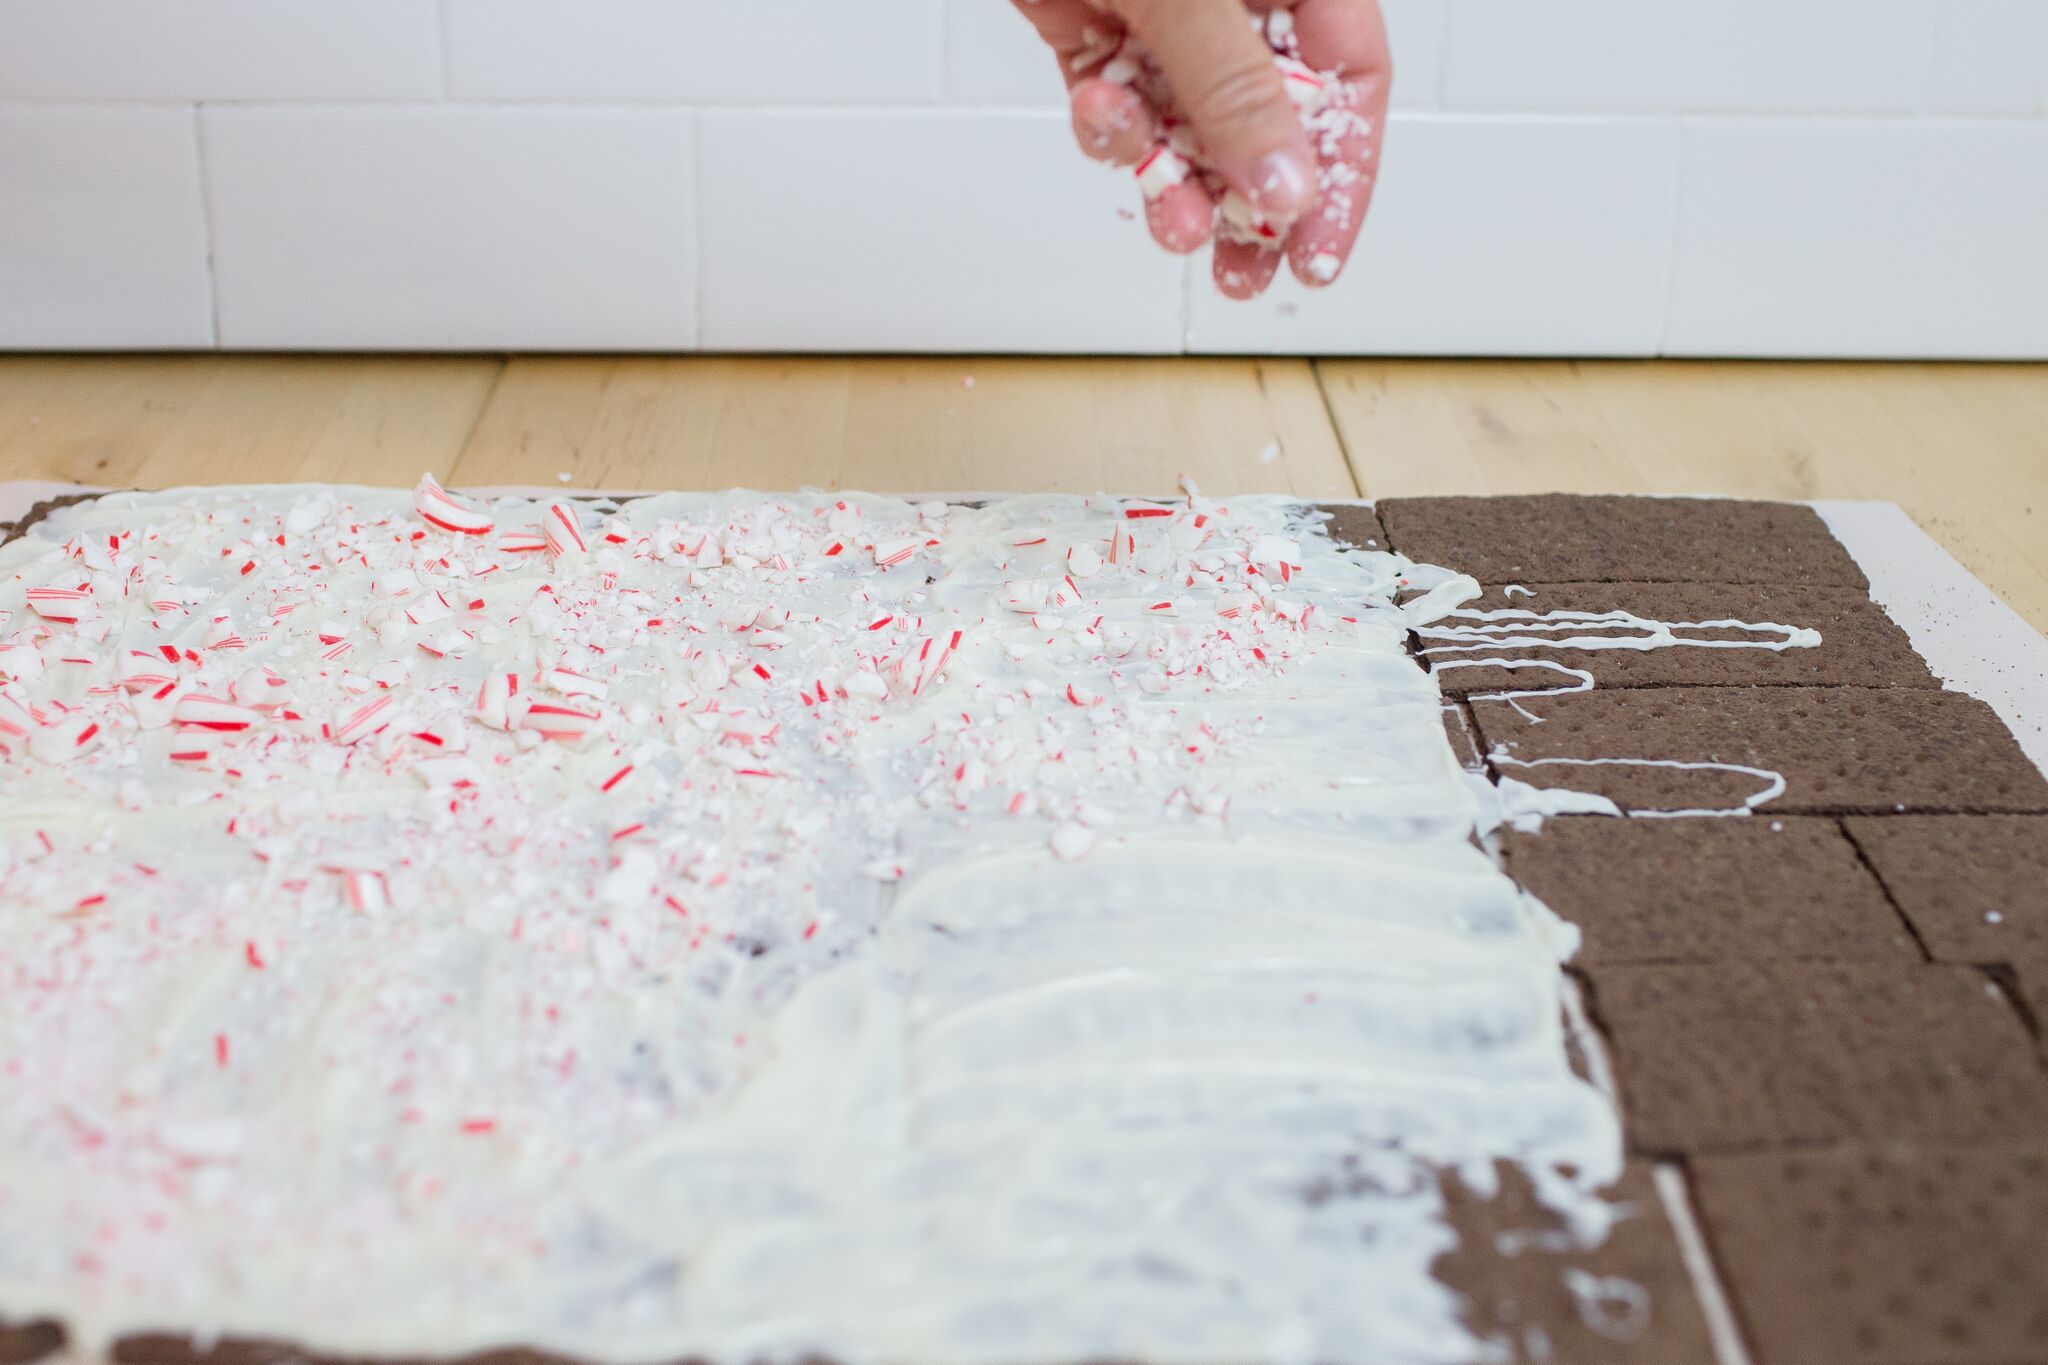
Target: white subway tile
[924, 230]
[453, 227]
[1720, 55]
[724, 51]
[1990, 57]
[994, 57]
[219, 49]
[1488, 235]
[1415, 33]
[1862, 239]
[102, 234]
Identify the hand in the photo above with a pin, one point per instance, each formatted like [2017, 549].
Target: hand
[1221, 73]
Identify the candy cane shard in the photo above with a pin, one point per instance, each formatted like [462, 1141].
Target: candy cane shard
[61, 605]
[366, 889]
[1025, 596]
[1276, 556]
[141, 671]
[890, 553]
[1160, 171]
[573, 684]
[562, 530]
[1310, 90]
[368, 719]
[64, 740]
[495, 698]
[16, 721]
[438, 507]
[211, 713]
[565, 724]
[920, 667]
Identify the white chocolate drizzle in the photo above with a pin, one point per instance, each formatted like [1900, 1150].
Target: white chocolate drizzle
[750, 927]
[1464, 631]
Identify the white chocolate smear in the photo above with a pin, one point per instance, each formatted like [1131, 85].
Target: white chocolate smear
[751, 927]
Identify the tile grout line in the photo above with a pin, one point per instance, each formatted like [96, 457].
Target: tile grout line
[206, 221]
[697, 173]
[1667, 287]
[1724, 1330]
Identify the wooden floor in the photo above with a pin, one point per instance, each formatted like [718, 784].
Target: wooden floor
[1964, 448]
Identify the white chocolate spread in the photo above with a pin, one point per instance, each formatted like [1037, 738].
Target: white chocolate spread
[751, 927]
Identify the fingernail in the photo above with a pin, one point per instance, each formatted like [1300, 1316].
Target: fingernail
[1283, 186]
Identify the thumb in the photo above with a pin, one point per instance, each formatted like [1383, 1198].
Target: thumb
[1222, 74]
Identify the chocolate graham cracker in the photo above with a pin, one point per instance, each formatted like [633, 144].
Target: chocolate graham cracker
[1735, 1056]
[1895, 1256]
[1538, 1296]
[1858, 644]
[1837, 749]
[1645, 891]
[1355, 526]
[1567, 538]
[23, 1342]
[1974, 887]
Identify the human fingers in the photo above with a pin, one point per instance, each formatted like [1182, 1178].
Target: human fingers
[1222, 74]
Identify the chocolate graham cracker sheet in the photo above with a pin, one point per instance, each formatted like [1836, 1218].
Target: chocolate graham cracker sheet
[1789, 1109]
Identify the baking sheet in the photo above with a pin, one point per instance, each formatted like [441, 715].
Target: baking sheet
[1972, 640]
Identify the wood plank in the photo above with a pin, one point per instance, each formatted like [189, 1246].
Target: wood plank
[160, 421]
[1963, 448]
[897, 425]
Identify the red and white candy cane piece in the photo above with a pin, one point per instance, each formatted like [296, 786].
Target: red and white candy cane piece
[1025, 596]
[211, 713]
[260, 688]
[368, 719]
[60, 604]
[65, 739]
[428, 608]
[1160, 171]
[456, 771]
[441, 508]
[16, 721]
[522, 542]
[1309, 89]
[1276, 556]
[142, 671]
[221, 634]
[495, 698]
[1024, 536]
[922, 665]
[366, 889]
[563, 531]
[564, 724]
[570, 683]
[890, 553]
[1243, 223]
